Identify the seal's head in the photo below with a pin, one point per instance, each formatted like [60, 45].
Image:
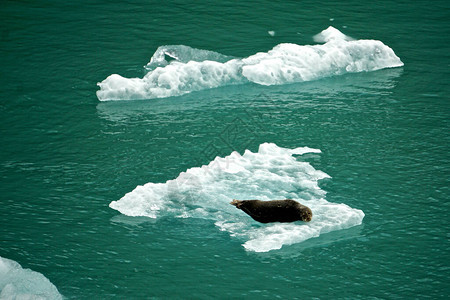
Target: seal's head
[236, 203]
[306, 214]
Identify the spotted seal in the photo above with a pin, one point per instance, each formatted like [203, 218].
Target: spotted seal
[274, 210]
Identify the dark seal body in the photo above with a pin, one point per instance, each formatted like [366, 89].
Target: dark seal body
[275, 210]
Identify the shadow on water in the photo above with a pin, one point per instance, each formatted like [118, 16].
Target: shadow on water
[356, 83]
[131, 222]
[324, 240]
[286, 252]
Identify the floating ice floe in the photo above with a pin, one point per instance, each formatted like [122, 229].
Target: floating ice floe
[24, 284]
[271, 173]
[178, 69]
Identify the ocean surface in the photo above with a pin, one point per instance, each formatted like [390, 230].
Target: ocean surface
[127, 127]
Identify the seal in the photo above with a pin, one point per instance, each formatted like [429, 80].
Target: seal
[274, 211]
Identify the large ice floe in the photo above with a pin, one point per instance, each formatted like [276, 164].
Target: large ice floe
[271, 173]
[177, 69]
[24, 284]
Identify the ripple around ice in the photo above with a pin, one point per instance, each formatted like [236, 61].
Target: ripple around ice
[178, 69]
[271, 173]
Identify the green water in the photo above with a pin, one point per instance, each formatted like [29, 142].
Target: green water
[65, 155]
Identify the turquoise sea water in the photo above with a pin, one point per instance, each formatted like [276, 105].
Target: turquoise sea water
[65, 155]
